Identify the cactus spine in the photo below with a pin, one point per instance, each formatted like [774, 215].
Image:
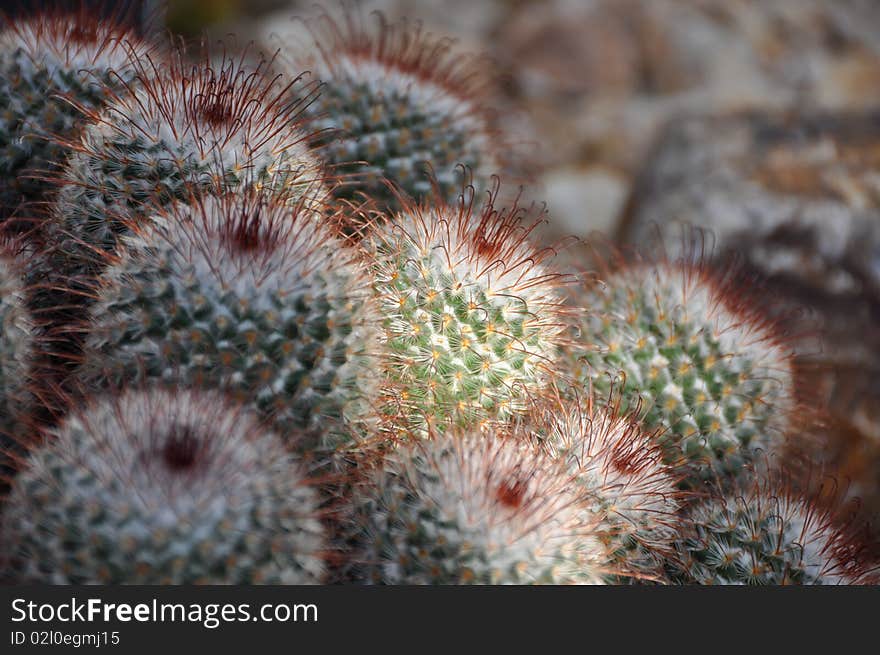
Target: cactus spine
[52, 67]
[471, 315]
[403, 108]
[162, 488]
[710, 372]
[247, 294]
[627, 486]
[474, 509]
[765, 536]
[17, 333]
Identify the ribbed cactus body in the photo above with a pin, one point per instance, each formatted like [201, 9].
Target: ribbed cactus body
[470, 312]
[632, 493]
[710, 374]
[246, 294]
[400, 106]
[52, 67]
[16, 342]
[473, 510]
[162, 488]
[763, 537]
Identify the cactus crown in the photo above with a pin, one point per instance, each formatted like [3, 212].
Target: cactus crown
[246, 293]
[52, 66]
[621, 471]
[68, 41]
[185, 129]
[474, 509]
[710, 370]
[766, 535]
[471, 313]
[154, 487]
[404, 106]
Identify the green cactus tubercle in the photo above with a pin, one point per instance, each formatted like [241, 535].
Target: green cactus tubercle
[162, 488]
[52, 67]
[241, 293]
[712, 377]
[470, 312]
[762, 537]
[399, 106]
[473, 510]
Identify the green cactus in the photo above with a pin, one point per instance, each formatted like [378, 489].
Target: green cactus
[162, 487]
[52, 67]
[627, 486]
[709, 371]
[186, 130]
[470, 311]
[474, 509]
[764, 537]
[399, 105]
[247, 294]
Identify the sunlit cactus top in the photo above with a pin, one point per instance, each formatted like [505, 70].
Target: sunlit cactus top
[767, 535]
[50, 64]
[245, 293]
[162, 488]
[474, 509]
[404, 107]
[471, 311]
[183, 129]
[629, 488]
[710, 372]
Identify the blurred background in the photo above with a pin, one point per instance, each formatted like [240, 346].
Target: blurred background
[758, 120]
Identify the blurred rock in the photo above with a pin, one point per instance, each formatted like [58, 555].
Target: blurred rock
[617, 69]
[796, 198]
[583, 200]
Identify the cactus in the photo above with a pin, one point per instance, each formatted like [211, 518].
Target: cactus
[474, 509]
[162, 488]
[629, 488]
[186, 129]
[52, 66]
[17, 346]
[245, 293]
[712, 373]
[403, 106]
[765, 536]
[470, 310]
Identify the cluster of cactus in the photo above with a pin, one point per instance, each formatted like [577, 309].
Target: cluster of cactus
[310, 355]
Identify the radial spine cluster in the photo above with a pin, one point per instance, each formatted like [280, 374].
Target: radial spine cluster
[53, 67]
[471, 312]
[712, 375]
[401, 106]
[162, 488]
[246, 294]
[477, 509]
